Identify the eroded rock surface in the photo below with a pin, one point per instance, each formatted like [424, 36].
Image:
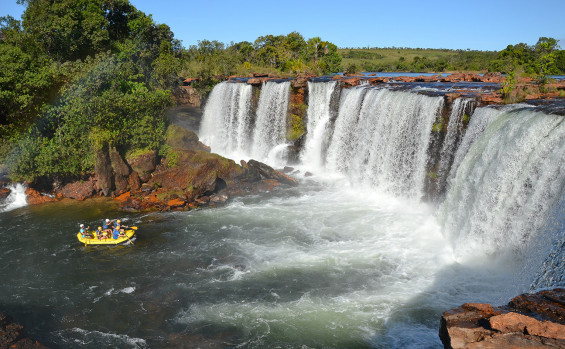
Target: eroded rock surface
[528, 321]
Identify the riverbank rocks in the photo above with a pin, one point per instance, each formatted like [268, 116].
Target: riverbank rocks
[528, 321]
[189, 176]
[79, 190]
[33, 197]
[11, 335]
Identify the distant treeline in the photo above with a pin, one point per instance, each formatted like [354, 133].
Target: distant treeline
[289, 54]
[525, 58]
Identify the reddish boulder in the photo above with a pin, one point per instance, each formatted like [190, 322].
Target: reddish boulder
[350, 82]
[124, 197]
[187, 96]
[514, 322]
[492, 77]
[11, 335]
[33, 197]
[533, 321]
[78, 190]
[134, 182]
[405, 78]
[492, 98]
[175, 203]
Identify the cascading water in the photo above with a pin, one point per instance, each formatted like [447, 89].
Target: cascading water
[507, 184]
[383, 140]
[452, 137]
[16, 198]
[227, 122]
[319, 94]
[482, 117]
[270, 125]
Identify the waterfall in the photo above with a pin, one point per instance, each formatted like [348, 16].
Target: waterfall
[270, 126]
[507, 184]
[482, 117]
[319, 98]
[452, 137]
[227, 122]
[381, 138]
[16, 198]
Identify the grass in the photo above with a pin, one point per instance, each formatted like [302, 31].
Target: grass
[392, 55]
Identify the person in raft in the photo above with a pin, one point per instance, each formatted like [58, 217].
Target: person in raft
[99, 233]
[118, 230]
[84, 232]
[106, 226]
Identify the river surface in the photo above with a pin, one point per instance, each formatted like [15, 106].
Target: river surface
[322, 265]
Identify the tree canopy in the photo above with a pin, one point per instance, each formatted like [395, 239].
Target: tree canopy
[78, 74]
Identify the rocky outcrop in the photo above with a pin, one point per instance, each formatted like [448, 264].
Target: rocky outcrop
[189, 176]
[187, 96]
[103, 170]
[11, 335]
[528, 321]
[79, 190]
[33, 197]
[121, 172]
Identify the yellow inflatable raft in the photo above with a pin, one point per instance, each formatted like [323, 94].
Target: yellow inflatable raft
[110, 241]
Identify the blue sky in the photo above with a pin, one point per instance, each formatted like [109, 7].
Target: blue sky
[479, 24]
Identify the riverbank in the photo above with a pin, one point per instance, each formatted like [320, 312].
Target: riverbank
[185, 178]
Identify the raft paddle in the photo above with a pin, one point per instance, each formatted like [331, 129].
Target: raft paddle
[134, 228]
[129, 240]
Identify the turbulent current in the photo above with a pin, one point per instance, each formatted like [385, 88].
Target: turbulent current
[351, 258]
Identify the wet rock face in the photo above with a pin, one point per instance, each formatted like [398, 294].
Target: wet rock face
[103, 170]
[11, 335]
[79, 190]
[190, 176]
[529, 320]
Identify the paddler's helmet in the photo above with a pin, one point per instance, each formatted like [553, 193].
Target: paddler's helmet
[99, 228]
[107, 220]
[118, 221]
[81, 225]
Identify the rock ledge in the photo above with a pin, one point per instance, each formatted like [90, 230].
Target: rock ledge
[528, 321]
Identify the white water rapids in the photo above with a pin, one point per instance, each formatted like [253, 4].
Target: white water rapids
[16, 198]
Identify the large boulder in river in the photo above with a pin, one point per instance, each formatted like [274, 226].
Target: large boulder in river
[528, 321]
